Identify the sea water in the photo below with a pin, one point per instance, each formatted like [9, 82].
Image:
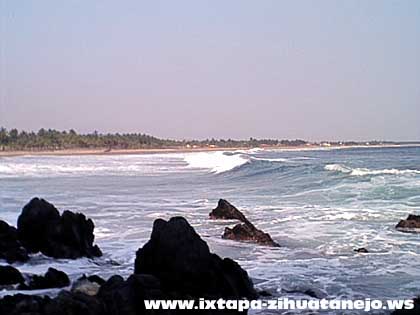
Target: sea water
[319, 205]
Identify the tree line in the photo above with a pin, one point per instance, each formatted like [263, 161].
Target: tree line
[51, 139]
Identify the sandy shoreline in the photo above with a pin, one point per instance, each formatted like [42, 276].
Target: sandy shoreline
[70, 152]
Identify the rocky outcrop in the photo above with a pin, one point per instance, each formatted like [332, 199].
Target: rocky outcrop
[244, 232]
[411, 224]
[182, 262]
[248, 233]
[226, 211]
[10, 275]
[41, 229]
[174, 264]
[10, 248]
[53, 278]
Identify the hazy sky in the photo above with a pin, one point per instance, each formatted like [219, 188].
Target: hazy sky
[197, 69]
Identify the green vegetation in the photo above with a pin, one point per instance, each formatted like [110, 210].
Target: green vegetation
[58, 140]
[43, 140]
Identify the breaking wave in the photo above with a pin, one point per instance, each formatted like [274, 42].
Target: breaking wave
[216, 162]
[366, 171]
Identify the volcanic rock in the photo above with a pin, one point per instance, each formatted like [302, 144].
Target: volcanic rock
[41, 228]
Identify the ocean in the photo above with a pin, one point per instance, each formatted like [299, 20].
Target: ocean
[318, 204]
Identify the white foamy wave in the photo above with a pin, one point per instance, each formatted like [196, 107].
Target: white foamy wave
[43, 166]
[216, 162]
[271, 159]
[365, 171]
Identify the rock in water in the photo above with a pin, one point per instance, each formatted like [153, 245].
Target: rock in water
[41, 228]
[249, 233]
[240, 232]
[227, 211]
[181, 260]
[10, 275]
[53, 278]
[411, 224]
[361, 250]
[10, 247]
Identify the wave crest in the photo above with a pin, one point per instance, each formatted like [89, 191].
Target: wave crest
[216, 162]
[365, 171]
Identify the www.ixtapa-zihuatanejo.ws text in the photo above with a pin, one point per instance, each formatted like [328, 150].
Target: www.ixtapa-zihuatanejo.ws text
[279, 304]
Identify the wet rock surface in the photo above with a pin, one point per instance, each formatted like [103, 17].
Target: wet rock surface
[181, 260]
[10, 275]
[41, 229]
[53, 278]
[243, 232]
[249, 233]
[174, 264]
[11, 249]
[411, 224]
[226, 211]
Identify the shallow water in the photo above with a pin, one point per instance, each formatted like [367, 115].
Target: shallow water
[318, 204]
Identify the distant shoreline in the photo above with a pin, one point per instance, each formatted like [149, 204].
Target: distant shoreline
[103, 151]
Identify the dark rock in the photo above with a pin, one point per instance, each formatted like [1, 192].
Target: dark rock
[66, 303]
[181, 260]
[227, 211]
[411, 224]
[10, 275]
[249, 233]
[127, 297]
[35, 224]
[41, 228]
[413, 311]
[75, 303]
[361, 250]
[240, 232]
[53, 278]
[10, 248]
[21, 304]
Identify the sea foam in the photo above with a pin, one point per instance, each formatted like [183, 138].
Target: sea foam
[366, 171]
[216, 162]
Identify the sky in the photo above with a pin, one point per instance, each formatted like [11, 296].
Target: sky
[316, 70]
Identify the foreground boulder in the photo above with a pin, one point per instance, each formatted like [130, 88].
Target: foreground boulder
[10, 275]
[10, 247]
[248, 233]
[42, 229]
[53, 278]
[411, 224]
[181, 260]
[126, 297]
[21, 304]
[175, 264]
[65, 303]
[244, 232]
